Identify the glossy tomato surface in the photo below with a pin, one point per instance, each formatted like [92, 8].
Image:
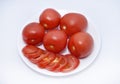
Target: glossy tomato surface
[49, 18]
[81, 44]
[33, 33]
[73, 22]
[55, 41]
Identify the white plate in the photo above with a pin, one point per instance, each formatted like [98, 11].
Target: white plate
[84, 63]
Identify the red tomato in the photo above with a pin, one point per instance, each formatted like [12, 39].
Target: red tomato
[49, 18]
[72, 23]
[33, 33]
[55, 63]
[55, 41]
[46, 60]
[72, 63]
[81, 44]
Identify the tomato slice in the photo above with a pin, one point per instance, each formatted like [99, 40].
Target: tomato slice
[72, 63]
[35, 54]
[32, 52]
[38, 59]
[28, 49]
[46, 60]
[62, 64]
[55, 63]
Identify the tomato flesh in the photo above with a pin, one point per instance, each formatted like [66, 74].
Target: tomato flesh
[46, 60]
[72, 63]
[55, 63]
[62, 64]
[28, 50]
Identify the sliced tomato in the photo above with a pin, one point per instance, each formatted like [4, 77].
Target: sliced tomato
[28, 49]
[46, 60]
[38, 59]
[72, 63]
[55, 63]
[62, 64]
[35, 54]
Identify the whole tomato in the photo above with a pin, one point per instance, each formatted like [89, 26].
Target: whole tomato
[55, 41]
[81, 44]
[72, 23]
[33, 33]
[49, 18]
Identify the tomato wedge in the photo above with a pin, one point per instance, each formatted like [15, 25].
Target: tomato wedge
[46, 60]
[72, 63]
[55, 63]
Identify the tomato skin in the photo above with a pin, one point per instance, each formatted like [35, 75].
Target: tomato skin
[81, 44]
[72, 23]
[49, 18]
[55, 41]
[33, 33]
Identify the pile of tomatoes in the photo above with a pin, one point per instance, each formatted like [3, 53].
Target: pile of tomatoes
[56, 33]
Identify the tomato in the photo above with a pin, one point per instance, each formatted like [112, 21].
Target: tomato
[49, 18]
[46, 60]
[72, 63]
[33, 33]
[81, 44]
[55, 63]
[55, 41]
[72, 23]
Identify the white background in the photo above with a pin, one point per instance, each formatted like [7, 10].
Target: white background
[104, 13]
